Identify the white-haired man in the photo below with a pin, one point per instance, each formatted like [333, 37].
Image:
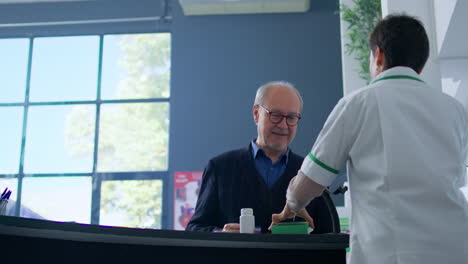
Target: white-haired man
[257, 176]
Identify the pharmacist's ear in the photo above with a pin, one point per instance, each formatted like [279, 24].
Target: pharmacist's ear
[379, 59]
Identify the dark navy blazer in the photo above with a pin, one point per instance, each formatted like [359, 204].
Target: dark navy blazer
[231, 182]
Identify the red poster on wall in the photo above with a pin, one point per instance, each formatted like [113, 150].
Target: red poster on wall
[186, 189]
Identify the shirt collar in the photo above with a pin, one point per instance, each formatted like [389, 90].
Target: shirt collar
[399, 70]
[256, 150]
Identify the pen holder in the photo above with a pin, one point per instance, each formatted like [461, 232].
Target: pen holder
[3, 206]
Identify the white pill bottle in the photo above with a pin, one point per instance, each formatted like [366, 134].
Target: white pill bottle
[247, 221]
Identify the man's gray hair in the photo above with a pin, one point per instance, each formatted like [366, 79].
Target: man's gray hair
[262, 91]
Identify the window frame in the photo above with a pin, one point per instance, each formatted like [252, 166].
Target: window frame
[96, 177]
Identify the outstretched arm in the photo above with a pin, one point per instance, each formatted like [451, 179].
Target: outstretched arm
[301, 191]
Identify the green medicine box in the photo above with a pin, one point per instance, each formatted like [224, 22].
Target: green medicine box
[291, 228]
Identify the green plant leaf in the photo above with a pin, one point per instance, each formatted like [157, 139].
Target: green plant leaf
[361, 20]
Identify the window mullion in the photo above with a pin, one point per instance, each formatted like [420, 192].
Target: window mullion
[96, 191]
[25, 123]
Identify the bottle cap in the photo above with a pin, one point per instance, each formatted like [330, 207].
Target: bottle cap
[246, 211]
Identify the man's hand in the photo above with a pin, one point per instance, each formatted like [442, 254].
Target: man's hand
[287, 213]
[231, 228]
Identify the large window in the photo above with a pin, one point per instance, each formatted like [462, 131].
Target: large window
[85, 127]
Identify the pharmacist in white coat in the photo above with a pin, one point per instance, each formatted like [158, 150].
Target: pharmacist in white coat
[405, 145]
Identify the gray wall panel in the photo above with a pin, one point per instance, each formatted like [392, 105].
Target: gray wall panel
[219, 61]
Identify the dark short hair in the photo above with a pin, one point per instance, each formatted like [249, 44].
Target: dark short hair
[403, 40]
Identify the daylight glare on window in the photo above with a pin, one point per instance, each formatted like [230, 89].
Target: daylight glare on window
[92, 119]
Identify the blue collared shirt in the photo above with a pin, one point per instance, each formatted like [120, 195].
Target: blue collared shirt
[270, 172]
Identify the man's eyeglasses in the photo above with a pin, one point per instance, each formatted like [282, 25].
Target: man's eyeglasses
[277, 117]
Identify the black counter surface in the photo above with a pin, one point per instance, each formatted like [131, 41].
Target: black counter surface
[41, 241]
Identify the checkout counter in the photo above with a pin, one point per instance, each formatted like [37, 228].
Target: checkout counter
[42, 241]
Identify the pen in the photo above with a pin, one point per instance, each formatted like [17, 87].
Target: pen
[6, 195]
[4, 192]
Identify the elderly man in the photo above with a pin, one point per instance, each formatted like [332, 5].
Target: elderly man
[257, 176]
[405, 144]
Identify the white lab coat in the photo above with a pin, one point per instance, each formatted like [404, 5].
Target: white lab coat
[405, 145]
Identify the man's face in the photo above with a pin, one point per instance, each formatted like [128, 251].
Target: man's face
[276, 137]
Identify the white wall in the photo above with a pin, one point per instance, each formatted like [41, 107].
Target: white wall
[422, 9]
[452, 38]
[455, 78]
[443, 11]
[446, 23]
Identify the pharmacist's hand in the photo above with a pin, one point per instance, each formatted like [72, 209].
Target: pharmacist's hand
[287, 214]
[231, 228]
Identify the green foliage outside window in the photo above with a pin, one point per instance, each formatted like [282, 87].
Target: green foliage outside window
[361, 19]
[132, 136]
[138, 202]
